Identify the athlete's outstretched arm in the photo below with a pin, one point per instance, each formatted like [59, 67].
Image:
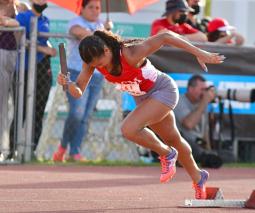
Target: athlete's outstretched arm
[152, 44]
[77, 88]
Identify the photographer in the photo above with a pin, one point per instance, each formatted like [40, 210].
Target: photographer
[192, 120]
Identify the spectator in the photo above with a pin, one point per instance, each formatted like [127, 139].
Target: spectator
[192, 119]
[43, 67]
[8, 53]
[193, 19]
[22, 6]
[174, 19]
[76, 125]
[219, 31]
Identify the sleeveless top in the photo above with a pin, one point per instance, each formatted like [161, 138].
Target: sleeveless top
[135, 81]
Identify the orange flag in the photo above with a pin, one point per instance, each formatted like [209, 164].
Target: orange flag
[73, 5]
[134, 5]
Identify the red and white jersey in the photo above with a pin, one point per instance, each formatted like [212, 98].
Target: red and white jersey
[135, 81]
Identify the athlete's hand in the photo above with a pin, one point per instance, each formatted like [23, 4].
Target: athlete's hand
[63, 79]
[73, 89]
[205, 57]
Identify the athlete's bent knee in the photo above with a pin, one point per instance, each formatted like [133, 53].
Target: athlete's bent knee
[128, 131]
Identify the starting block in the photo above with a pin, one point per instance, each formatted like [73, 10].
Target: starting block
[215, 199]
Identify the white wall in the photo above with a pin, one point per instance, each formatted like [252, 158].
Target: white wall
[239, 13]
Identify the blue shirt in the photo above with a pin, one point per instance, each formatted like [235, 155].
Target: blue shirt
[43, 26]
[74, 60]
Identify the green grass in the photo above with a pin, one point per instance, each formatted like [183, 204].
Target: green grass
[96, 163]
[240, 165]
[128, 163]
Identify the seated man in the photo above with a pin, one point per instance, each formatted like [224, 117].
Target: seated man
[174, 19]
[192, 119]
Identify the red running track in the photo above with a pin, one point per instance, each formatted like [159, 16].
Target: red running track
[78, 189]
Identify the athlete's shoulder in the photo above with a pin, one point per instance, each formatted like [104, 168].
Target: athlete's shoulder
[128, 55]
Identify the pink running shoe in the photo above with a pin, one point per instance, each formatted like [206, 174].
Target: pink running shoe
[59, 155]
[200, 189]
[168, 168]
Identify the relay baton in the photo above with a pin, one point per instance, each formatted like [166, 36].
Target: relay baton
[63, 64]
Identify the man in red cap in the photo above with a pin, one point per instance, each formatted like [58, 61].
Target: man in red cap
[174, 20]
[221, 32]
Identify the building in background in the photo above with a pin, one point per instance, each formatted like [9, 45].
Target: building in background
[239, 13]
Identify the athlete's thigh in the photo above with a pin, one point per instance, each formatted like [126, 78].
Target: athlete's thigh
[166, 129]
[148, 112]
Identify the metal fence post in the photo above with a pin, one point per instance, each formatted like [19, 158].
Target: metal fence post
[31, 90]
[20, 128]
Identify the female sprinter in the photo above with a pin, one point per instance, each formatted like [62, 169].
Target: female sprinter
[124, 64]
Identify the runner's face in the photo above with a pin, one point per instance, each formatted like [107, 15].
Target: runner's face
[92, 10]
[103, 61]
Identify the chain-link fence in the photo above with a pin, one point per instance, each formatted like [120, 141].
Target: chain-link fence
[35, 108]
[12, 73]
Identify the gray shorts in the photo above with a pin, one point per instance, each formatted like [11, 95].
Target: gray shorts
[165, 90]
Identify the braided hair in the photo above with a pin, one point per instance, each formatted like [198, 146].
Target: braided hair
[93, 47]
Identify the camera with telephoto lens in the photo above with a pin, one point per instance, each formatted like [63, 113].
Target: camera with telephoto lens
[241, 95]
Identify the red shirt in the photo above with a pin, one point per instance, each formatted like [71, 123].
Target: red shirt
[135, 81]
[180, 29]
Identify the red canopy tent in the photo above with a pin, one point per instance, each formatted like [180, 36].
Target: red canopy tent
[129, 6]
